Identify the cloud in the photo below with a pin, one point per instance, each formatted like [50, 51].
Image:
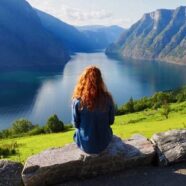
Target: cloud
[75, 14]
[78, 16]
[64, 12]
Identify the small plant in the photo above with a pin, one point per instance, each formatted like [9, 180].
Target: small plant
[184, 125]
[8, 149]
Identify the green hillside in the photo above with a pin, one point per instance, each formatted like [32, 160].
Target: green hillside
[145, 122]
[159, 35]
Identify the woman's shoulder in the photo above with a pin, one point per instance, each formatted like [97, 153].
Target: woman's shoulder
[75, 101]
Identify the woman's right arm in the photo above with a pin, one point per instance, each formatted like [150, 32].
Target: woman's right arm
[75, 114]
[111, 113]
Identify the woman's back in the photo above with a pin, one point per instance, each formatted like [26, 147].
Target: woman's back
[92, 112]
[93, 132]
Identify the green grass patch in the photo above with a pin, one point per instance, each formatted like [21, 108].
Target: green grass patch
[146, 123]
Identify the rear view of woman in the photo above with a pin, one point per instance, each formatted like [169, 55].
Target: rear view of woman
[92, 112]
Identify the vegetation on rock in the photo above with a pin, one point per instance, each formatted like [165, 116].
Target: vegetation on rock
[159, 35]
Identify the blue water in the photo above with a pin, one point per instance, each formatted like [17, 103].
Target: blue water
[36, 96]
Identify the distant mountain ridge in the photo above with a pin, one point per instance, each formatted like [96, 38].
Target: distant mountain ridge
[102, 36]
[25, 44]
[72, 38]
[32, 39]
[82, 38]
[159, 35]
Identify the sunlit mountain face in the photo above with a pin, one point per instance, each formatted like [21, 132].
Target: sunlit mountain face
[159, 35]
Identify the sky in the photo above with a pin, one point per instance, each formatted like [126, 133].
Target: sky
[102, 12]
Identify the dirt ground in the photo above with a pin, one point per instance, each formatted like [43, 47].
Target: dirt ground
[174, 175]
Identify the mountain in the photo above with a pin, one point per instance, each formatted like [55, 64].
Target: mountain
[80, 39]
[72, 38]
[102, 36]
[159, 35]
[25, 43]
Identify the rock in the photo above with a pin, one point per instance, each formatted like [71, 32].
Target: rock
[10, 173]
[171, 146]
[54, 166]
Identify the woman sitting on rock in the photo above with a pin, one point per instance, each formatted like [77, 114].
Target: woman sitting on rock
[92, 112]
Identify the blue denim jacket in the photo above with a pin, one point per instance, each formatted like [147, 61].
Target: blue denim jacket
[93, 132]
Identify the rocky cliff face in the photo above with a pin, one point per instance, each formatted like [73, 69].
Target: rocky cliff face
[159, 35]
[24, 41]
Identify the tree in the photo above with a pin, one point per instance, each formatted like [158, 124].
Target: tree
[130, 105]
[21, 126]
[54, 124]
[5, 133]
[166, 110]
[160, 98]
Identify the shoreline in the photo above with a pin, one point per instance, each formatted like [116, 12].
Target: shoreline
[122, 57]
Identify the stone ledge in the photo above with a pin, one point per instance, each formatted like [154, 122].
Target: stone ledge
[10, 173]
[57, 165]
[170, 146]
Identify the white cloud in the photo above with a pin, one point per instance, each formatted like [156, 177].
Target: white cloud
[78, 16]
[104, 12]
[70, 14]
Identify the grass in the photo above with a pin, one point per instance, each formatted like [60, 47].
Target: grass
[146, 123]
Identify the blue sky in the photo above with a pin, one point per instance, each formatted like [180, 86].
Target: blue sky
[102, 12]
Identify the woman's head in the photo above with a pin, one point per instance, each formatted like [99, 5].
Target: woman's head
[91, 89]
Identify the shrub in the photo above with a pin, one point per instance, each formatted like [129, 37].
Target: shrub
[180, 97]
[21, 126]
[5, 133]
[142, 104]
[130, 105]
[68, 127]
[160, 97]
[54, 124]
[166, 110]
[36, 130]
[156, 105]
[8, 149]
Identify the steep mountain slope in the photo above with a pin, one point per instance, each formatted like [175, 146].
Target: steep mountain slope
[159, 35]
[24, 41]
[80, 39]
[73, 39]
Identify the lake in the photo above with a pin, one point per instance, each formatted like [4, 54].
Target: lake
[36, 96]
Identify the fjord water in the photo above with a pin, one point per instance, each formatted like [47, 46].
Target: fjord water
[36, 96]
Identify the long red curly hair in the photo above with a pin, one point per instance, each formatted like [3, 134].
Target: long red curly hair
[91, 90]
